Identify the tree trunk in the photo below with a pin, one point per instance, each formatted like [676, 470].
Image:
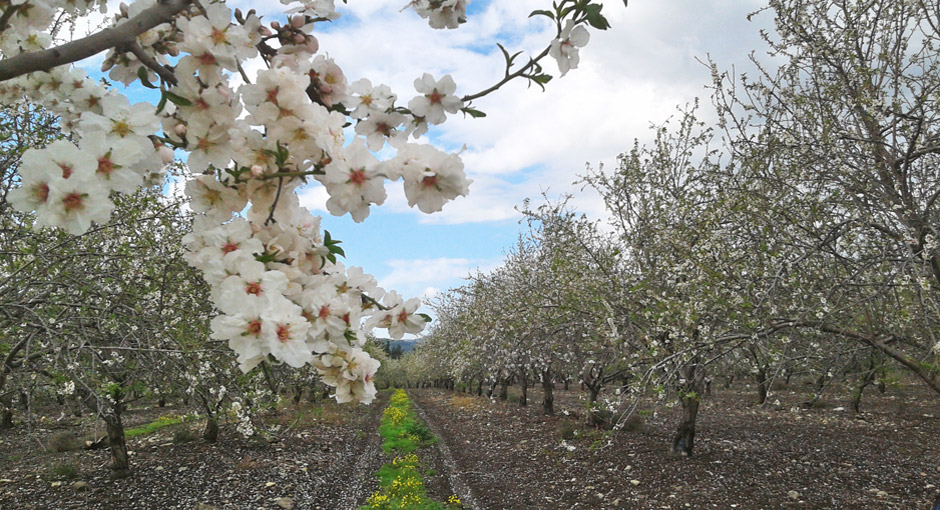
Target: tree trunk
[690, 396]
[480, 388]
[818, 388]
[211, 432]
[120, 467]
[867, 378]
[566, 383]
[162, 402]
[524, 386]
[762, 384]
[6, 411]
[504, 389]
[596, 417]
[548, 387]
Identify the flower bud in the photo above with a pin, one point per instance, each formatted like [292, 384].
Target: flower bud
[257, 170]
[265, 31]
[299, 38]
[166, 154]
[275, 25]
[298, 21]
[180, 129]
[123, 9]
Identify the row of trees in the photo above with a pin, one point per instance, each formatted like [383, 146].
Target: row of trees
[795, 233]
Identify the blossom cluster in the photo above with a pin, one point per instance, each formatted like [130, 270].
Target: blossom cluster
[252, 142]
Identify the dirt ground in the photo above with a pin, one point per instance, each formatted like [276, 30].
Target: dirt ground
[320, 456]
[746, 456]
[497, 455]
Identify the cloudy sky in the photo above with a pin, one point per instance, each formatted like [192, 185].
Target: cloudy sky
[531, 142]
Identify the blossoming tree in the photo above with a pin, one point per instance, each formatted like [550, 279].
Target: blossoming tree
[252, 142]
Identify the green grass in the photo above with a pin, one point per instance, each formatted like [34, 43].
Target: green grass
[159, 423]
[400, 482]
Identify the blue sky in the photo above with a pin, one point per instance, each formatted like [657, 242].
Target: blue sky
[531, 142]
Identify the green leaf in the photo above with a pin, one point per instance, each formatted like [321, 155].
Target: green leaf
[162, 102]
[476, 114]
[144, 79]
[541, 79]
[426, 317]
[595, 18]
[542, 12]
[177, 100]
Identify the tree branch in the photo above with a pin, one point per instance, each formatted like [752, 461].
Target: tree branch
[121, 35]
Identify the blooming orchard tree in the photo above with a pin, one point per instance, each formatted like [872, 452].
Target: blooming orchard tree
[281, 293]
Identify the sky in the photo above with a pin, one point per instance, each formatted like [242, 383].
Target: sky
[531, 142]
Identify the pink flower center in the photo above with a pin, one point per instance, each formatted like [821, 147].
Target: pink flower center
[73, 201]
[324, 312]
[105, 166]
[253, 288]
[254, 328]
[429, 181]
[66, 170]
[229, 247]
[435, 97]
[207, 59]
[358, 177]
[283, 332]
[41, 192]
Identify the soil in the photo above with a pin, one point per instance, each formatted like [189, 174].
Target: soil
[319, 455]
[497, 455]
[746, 456]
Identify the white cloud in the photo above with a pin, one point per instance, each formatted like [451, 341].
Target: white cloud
[424, 277]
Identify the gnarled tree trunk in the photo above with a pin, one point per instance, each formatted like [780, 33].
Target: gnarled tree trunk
[120, 467]
[690, 396]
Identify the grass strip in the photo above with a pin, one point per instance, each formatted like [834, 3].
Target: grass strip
[159, 423]
[400, 481]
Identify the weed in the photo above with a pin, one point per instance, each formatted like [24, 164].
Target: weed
[62, 470]
[568, 429]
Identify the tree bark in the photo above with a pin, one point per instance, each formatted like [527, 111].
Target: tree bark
[762, 384]
[120, 466]
[211, 433]
[524, 386]
[867, 378]
[690, 396]
[548, 387]
[504, 389]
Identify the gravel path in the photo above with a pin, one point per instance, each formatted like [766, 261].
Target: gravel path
[457, 483]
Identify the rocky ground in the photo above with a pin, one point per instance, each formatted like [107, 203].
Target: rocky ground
[496, 455]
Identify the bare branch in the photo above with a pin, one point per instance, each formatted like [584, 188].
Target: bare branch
[121, 35]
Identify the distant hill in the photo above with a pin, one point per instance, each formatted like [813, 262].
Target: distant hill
[393, 345]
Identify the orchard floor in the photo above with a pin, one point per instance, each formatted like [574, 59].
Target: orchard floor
[496, 455]
[746, 456]
[321, 456]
